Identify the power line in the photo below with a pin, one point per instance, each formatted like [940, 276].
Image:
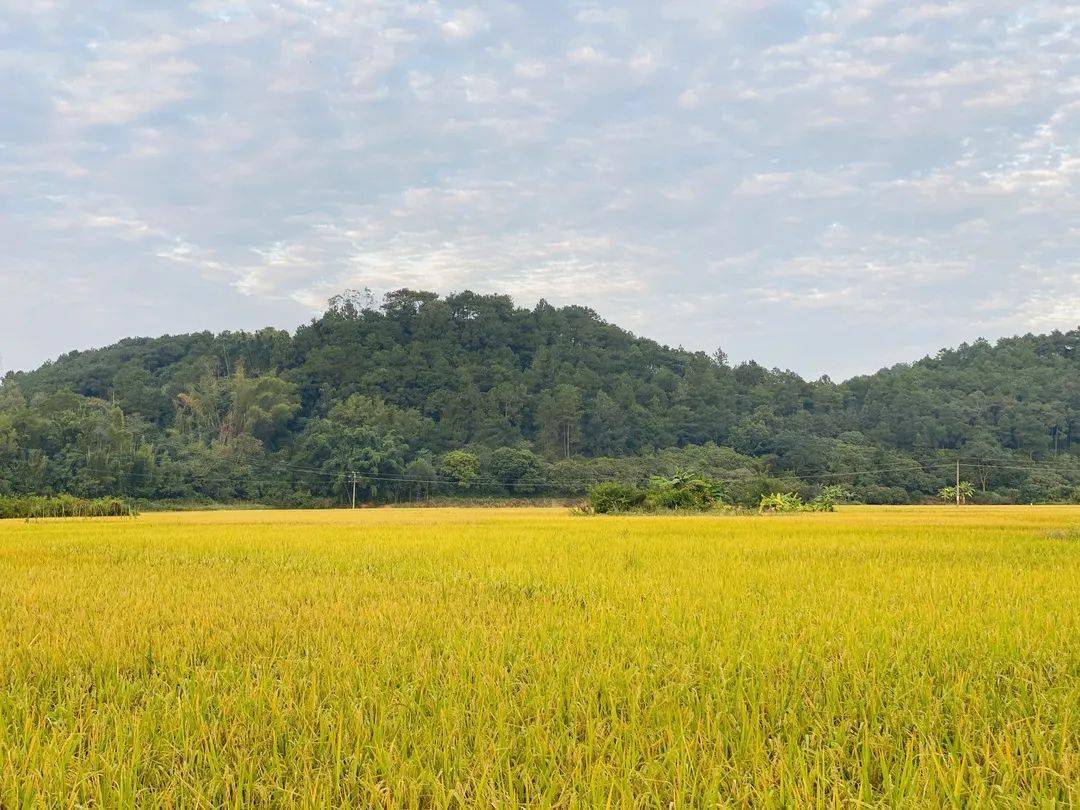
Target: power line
[751, 475]
[1026, 468]
[353, 477]
[913, 467]
[349, 476]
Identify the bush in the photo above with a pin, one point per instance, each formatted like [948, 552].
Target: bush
[32, 506]
[610, 498]
[877, 494]
[791, 502]
[836, 493]
[822, 503]
[781, 502]
[683, 491]
[748, 492]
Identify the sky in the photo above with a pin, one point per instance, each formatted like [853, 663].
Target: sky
[830, 187]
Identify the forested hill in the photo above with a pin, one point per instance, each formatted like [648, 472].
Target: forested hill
[469, 393]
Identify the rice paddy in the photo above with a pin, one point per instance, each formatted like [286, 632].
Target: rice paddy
[427, 658]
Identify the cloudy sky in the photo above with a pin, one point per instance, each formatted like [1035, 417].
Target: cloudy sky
[825, 186]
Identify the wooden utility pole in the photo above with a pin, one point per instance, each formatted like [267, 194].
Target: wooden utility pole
[958, 482]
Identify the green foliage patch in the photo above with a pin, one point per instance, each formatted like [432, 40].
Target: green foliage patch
[63, 506]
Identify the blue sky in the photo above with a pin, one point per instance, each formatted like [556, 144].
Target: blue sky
[825, 186]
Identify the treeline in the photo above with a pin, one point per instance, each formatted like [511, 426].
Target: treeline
[544, 400]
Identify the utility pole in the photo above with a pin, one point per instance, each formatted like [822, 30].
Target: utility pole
[958, 482]
[354, 490]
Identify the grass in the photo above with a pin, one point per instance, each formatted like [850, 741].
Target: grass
[896, 656]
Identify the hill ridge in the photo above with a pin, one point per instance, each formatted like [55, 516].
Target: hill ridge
[400, 385]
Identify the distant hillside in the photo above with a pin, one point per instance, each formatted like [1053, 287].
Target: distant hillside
[544, 399]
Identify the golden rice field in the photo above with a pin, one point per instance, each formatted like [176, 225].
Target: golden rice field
[877, 656]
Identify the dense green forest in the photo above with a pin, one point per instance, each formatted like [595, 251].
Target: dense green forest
[469, 395]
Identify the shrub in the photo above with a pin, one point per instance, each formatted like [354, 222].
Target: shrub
[822, 503]
[837, 493]
[781, 502]
[826, 500]
[610, 497]
[683, 491]
[791, 502]
[31, 506]
[877, 494]
[749, 491]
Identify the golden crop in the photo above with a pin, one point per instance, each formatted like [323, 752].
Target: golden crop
[918, 656]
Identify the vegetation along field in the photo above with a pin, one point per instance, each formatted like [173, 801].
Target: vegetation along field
[407, 657]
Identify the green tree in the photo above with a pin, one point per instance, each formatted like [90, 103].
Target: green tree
[261, 407]
[559, 414]
[460, 468]
[421, 478]
[517, 469]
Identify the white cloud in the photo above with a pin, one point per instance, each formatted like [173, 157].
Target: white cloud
[589, 55]
[799, 185]
[767, 163]
[129, 83]
[692, 98]
[465, 24]
[531, 69]
[602, 16]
